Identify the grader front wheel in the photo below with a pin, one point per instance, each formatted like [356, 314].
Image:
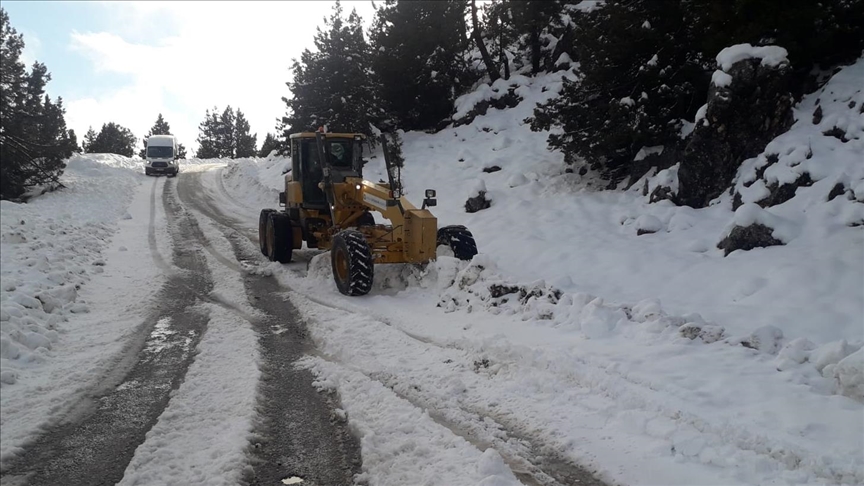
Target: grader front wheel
[352, 263]
[458, 239]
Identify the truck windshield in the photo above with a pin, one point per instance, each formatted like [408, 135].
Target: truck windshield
[160, 152]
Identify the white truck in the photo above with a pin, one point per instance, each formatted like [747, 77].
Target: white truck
[161, 155]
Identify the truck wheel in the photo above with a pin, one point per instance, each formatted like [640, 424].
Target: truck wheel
[262, 230]
[279, 238]
[459, 239]
[352, 263]
[147, 171]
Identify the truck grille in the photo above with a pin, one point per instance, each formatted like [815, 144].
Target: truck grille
[159, 164]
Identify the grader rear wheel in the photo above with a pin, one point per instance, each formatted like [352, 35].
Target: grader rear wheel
[279, 238]
[262, 229]
[352, 263]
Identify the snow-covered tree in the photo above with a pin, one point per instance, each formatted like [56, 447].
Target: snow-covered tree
[420, 57]
[642, 74]
[334, 86]
[530, 18]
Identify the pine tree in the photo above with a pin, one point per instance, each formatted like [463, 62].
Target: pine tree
[819, 34]
[245, 143]
[480, 41]
[207, 131]
[419, 54]
[114, 139]
[161, 127]
[73, 141]
[268, 146]
[500, 32]
[226, 143]
[642, 74]
[225, 135]
[530, 19]
[89, 139]
[34, 141]
[335, 85]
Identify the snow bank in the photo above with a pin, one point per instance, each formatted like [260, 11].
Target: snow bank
[73, 284]
[52, 246]
[259, 181]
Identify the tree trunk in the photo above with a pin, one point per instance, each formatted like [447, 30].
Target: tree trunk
[503, 55]
[535, 51]
[484, 53]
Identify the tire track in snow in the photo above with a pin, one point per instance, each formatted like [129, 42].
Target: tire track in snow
[96, 448]
[151, 231]
[533, 463]
[298, 432]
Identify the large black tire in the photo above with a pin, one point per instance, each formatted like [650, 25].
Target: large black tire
[279, 238]
[351, 258]
[459, 239]
[262, 230]
[366, 219]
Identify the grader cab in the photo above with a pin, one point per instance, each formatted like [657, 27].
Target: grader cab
[328, 205]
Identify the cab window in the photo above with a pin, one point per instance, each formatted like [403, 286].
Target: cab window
[340, 153]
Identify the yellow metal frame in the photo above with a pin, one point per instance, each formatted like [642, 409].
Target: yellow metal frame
[411, 236]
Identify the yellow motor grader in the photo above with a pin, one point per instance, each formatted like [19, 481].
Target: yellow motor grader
[327, 204]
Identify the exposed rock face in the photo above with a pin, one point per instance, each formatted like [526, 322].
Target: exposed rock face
[489, 170]
[748, 237]
[706, 332]
[507, 100]
[477, 203]
[780, 194]
[838, 190]
[742, 116]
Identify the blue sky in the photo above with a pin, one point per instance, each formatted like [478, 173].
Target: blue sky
[127, 62]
